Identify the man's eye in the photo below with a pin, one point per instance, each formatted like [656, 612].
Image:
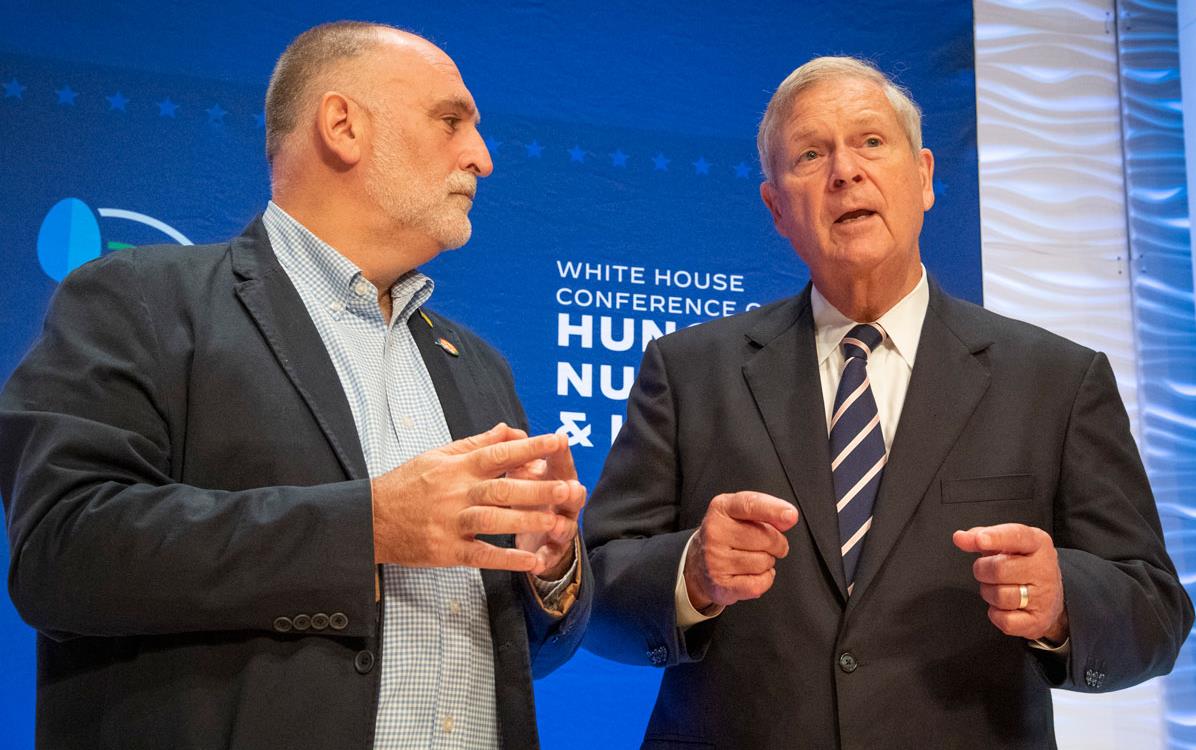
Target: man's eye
[872, 141]
[807, 155]
[452, 122]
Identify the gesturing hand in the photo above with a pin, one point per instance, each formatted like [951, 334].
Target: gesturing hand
[554, 547]
[1013, 556]
[734, 554]
[428, 511]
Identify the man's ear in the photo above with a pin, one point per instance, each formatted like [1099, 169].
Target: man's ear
[769, 195]
[340, 123]
[926, 169]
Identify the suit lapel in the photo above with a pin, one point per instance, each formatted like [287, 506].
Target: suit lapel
[452, 377]
[450, 373]
[947, 383]
[278, 311]
[783, 378]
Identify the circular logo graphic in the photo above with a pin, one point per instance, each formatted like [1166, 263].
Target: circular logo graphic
[70, 235]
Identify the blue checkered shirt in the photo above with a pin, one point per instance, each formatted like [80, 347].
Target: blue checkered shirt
[437, 659]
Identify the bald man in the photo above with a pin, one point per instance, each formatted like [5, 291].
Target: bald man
[259, 495]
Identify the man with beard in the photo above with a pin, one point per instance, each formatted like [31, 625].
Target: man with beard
[975, 524]
[258, 494]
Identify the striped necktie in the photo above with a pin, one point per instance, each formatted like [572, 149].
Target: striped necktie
[857, 446]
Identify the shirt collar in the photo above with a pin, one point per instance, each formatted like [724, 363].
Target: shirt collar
[334, 278]
[902, 323]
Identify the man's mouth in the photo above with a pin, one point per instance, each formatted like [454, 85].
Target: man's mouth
[850, 216]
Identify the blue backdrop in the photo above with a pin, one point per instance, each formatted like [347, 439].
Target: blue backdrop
[624, 200]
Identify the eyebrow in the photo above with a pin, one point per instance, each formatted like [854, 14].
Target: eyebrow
[460, 104]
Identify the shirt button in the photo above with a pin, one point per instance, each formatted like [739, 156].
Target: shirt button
[406, 423]
[301, 622]
[361, 288]
[338, 621]
[319, 621]
[455, 607]
[447, 725]
[282, 624]
[847, 662]
[336, 307]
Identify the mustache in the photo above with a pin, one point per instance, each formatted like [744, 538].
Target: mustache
[465, 183]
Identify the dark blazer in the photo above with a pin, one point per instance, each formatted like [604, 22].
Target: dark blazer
[180, 470]
[1003, 422]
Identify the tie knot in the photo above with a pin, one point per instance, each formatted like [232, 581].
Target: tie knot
[862, 340]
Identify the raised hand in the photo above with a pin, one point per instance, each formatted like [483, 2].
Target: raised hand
[429, 511]
[734, 554]
[1019, 577]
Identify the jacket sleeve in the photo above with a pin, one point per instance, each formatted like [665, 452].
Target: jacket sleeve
[104, 540]
[631, 526]
[1128, 611]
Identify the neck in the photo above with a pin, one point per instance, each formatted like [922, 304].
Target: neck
[866, 297]
[361, 233]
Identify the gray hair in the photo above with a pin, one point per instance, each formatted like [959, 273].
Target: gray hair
[822, 69]
[305, 60]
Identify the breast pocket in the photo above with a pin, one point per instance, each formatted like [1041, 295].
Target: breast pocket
[989, 489]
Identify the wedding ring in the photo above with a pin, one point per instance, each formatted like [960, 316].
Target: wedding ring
[1024, 590]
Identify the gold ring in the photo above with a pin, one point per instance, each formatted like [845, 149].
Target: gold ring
[1024, 590]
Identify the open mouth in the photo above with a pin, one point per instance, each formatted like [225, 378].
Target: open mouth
[851, 216]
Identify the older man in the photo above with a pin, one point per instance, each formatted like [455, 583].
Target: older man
[975, 523]
[247, 484]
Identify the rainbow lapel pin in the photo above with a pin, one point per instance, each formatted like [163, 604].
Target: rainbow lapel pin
[442, 342]
[447, 345]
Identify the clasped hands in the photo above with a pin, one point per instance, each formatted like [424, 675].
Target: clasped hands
[429, 511]
[733, 557]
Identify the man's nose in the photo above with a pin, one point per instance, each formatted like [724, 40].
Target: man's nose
[845, 168]
[475, 157]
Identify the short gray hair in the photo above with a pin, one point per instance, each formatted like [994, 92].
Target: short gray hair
[822, 69]
[312, 54]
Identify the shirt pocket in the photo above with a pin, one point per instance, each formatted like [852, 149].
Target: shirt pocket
[989, 489]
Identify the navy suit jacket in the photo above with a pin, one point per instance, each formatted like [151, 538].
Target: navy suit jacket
[180, 469]
[1002, 422]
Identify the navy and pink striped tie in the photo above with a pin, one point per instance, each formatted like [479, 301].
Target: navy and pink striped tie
[857, 446]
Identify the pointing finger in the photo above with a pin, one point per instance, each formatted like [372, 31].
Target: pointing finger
[1009, 538]
[757, 506]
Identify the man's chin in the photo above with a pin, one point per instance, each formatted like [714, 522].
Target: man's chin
[454, 237]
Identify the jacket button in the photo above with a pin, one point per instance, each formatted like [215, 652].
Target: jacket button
[319, 621]
[847, 662]
[282, 624]
[363, 662]
[338, 621]
[301, 622]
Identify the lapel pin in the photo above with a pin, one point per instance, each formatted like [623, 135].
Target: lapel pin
[447, 345]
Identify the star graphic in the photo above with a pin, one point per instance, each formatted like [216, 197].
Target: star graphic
[216, 114]
[577, 154]
[260, 119]
[534, 149]
[618, 158]
[701, 166]
[742, 170]
[66, 95]
[167, 108]
[117, 101]
[662, 164]
[492, 144]
[13, 90]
